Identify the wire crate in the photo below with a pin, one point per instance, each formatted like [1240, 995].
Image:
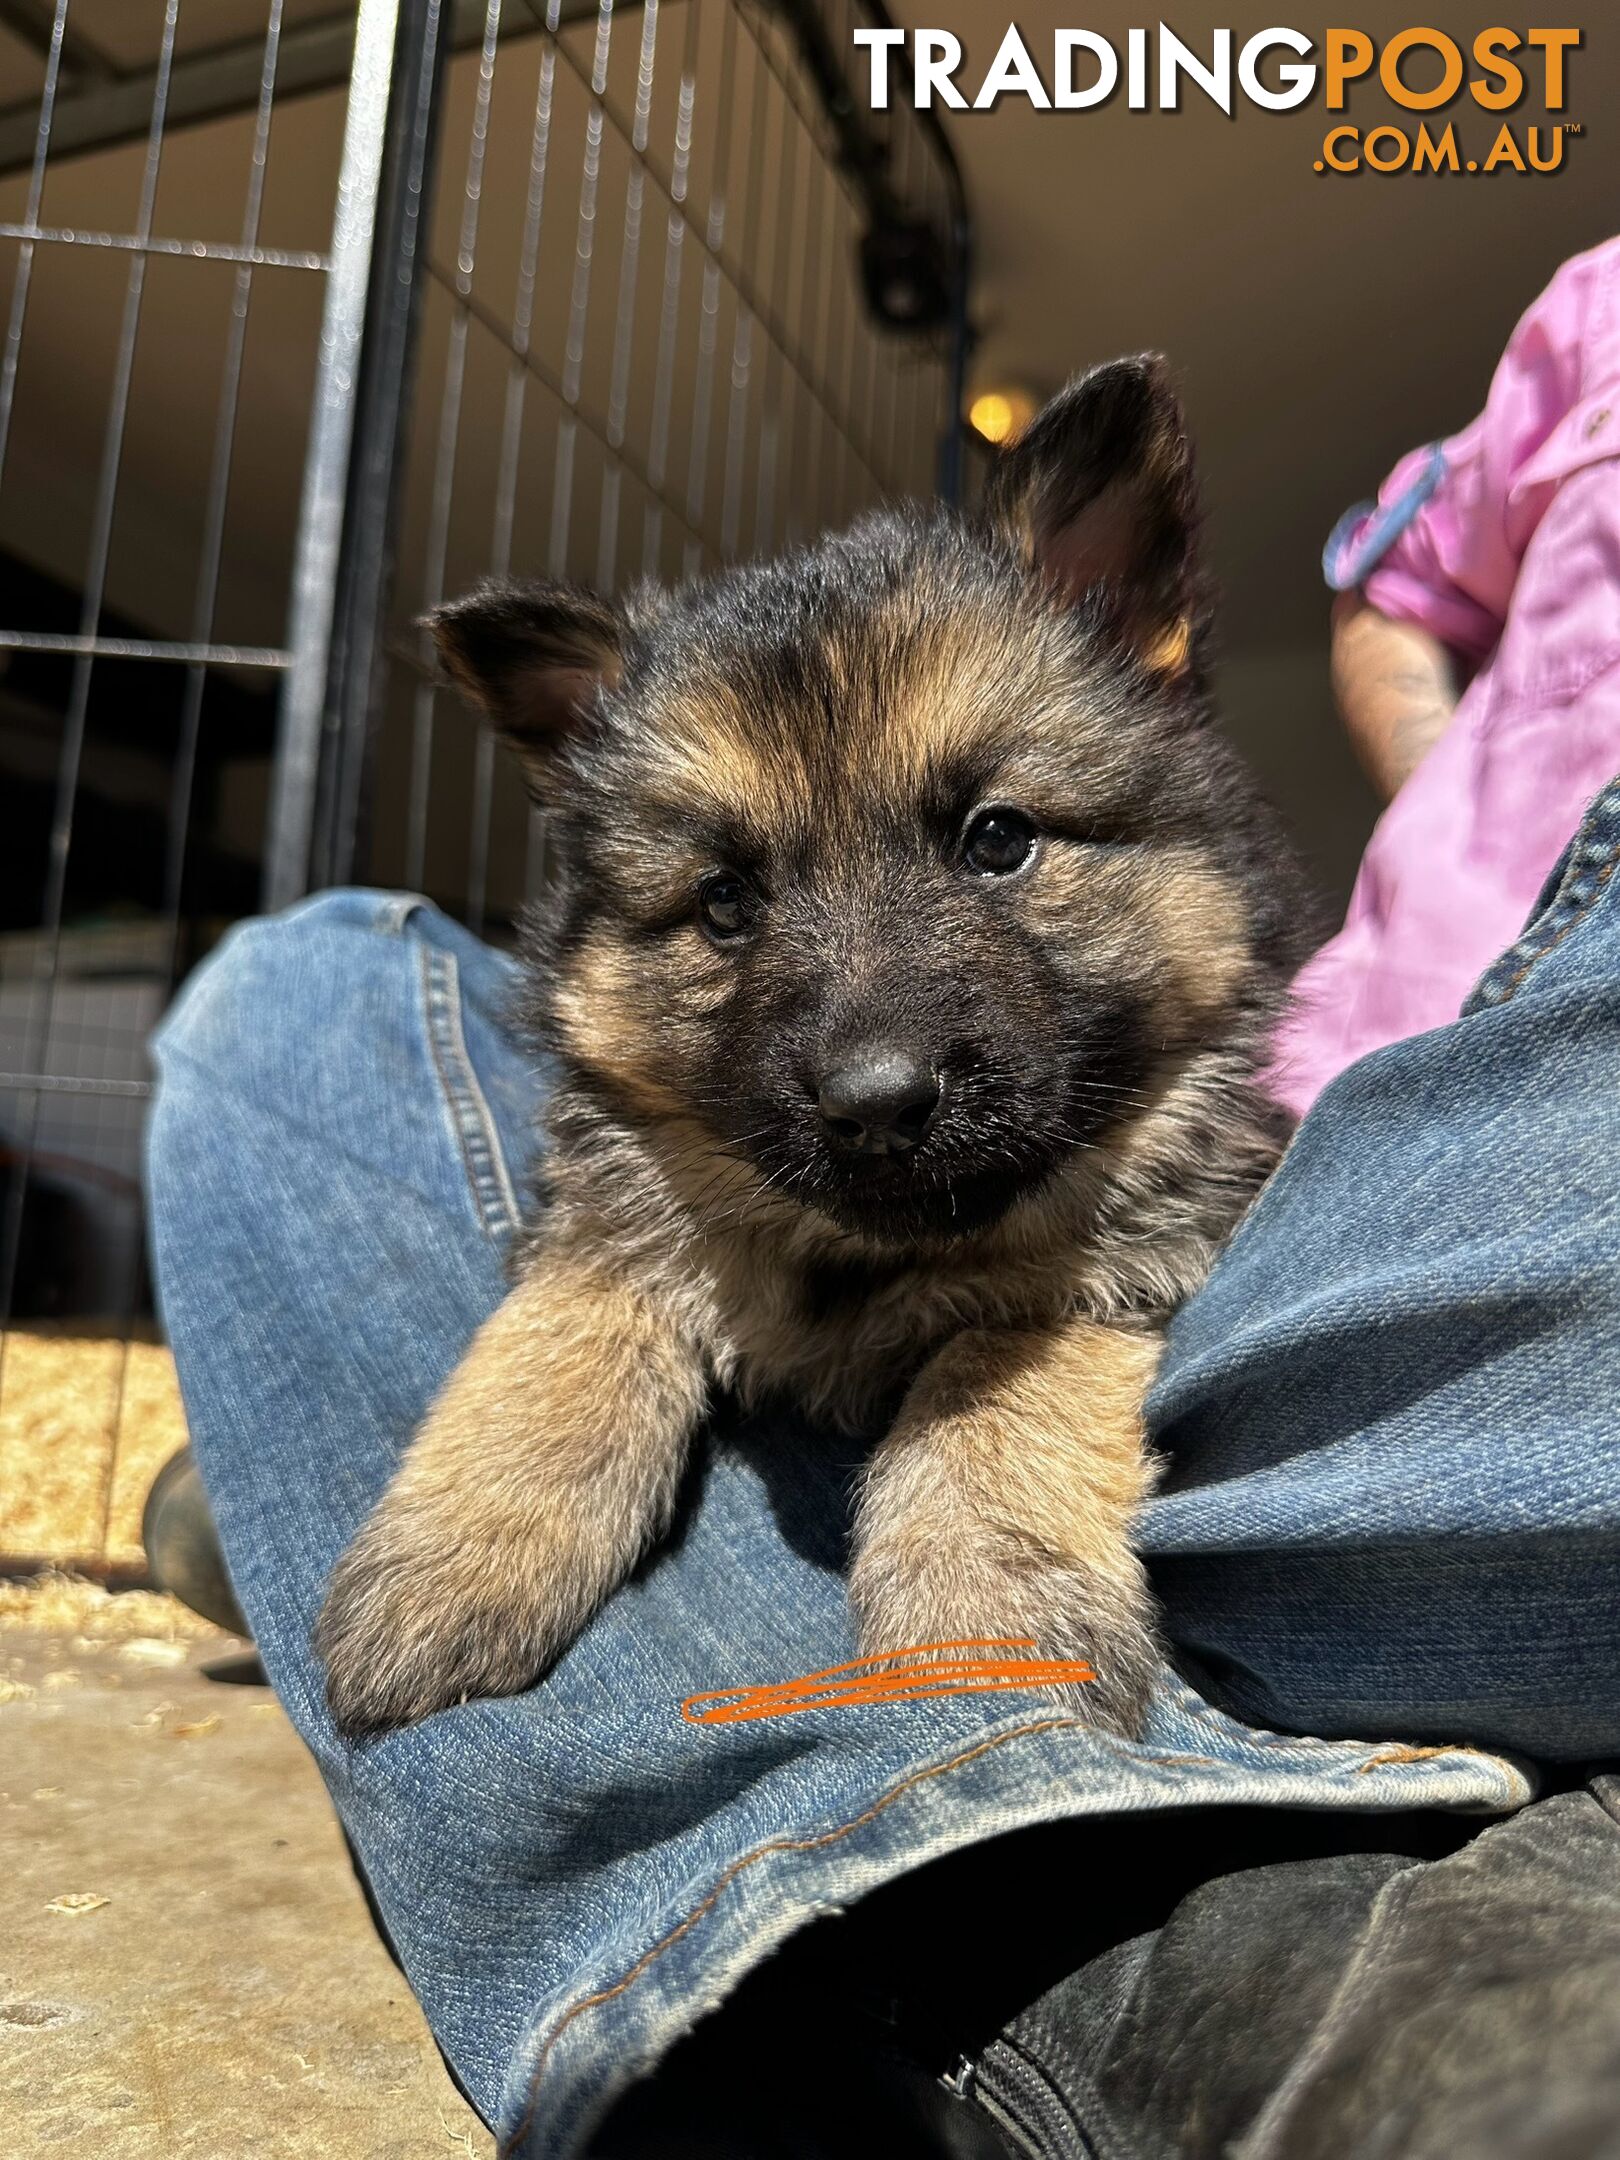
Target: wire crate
[312, 315]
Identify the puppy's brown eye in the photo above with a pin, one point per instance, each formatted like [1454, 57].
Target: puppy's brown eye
[998, 842]
[726, 906]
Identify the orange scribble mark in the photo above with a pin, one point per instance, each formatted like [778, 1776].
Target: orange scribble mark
[888, 1677]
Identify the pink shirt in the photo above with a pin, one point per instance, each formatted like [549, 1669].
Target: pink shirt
[1513, 560]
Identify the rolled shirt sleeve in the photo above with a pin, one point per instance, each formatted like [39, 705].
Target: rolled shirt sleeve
[1504, 542]
[1442, 545]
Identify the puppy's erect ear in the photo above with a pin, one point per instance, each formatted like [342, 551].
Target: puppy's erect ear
[534, 657]
[1099, 497]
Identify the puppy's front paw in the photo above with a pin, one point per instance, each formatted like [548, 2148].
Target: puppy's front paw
[1006, 1590]
[411, 1625]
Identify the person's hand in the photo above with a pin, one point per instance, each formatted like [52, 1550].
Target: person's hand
[1396, 689]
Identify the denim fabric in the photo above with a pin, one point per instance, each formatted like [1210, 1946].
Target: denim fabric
[1393, 1502]
[573, 1876]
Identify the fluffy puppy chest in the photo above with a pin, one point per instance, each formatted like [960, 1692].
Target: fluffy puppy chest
[781, 1304]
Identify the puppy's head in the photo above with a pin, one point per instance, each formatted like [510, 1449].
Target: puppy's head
[905, 867]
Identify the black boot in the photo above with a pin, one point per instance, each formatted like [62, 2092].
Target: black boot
[182, 1545]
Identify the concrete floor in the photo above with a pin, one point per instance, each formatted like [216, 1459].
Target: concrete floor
[186, 1962]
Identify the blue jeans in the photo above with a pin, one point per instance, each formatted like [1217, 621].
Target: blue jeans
[1391, 1513]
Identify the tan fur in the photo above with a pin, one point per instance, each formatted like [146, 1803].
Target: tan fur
[1169, 656]
[554, 1450]
[1201, 933]
[940, 694]
[601, 1005]
[1000, 1501]
[714, 755]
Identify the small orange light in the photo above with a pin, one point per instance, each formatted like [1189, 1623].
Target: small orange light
[999, 415]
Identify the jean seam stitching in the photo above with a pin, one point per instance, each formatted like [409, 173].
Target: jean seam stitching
[1568, 905]
[478, 1102]
[707, 1904]
[470, 1118]
[1601, 876]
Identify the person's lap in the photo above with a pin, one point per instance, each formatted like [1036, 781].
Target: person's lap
[1390, 1505]
[1393, 1500]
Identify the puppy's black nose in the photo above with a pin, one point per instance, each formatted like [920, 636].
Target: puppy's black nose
[879, 1101]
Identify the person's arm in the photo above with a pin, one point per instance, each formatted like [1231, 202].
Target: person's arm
[1396, 688]
[1426, 574]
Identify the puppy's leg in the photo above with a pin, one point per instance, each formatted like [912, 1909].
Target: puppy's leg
[543, 1471]
[999, 1505]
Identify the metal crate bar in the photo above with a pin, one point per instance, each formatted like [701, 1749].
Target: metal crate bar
[47, 967]
[203, 86]
[169, 649]
[801, 375]
[74, 1084]
[148, 244]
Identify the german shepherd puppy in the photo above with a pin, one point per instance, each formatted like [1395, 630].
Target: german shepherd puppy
[913, 948]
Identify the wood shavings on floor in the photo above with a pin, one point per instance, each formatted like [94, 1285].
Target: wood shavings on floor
[61, 1604]
[86, 1422]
